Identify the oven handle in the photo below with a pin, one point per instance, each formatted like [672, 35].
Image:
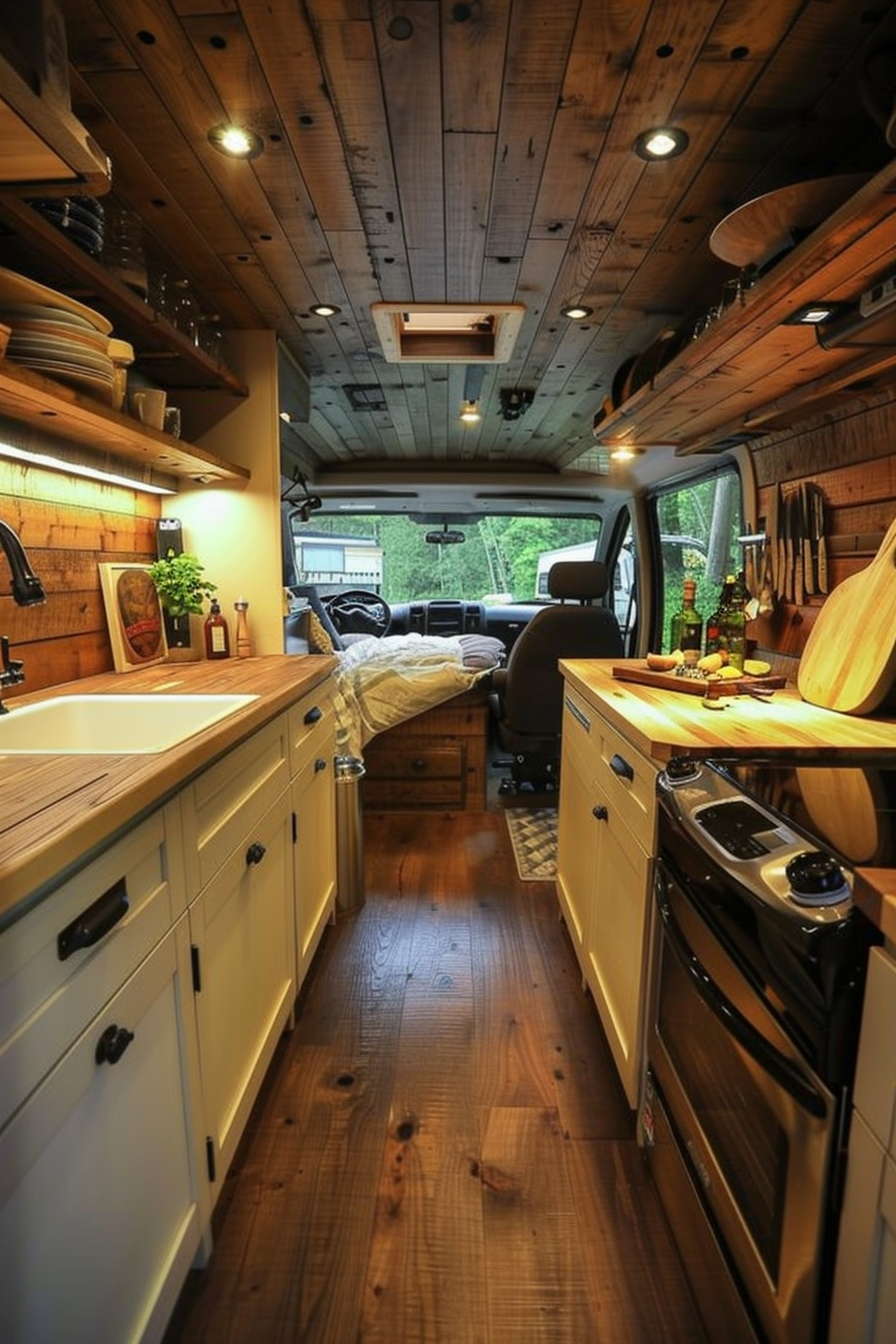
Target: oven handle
[775, 1064]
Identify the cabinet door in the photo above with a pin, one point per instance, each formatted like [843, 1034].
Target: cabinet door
[616, 944]
[314, 857]
[243, 931]
[577, 831]
[864, 1305]
[101, 1206]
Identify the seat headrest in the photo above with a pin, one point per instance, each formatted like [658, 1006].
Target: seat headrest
[580, 580]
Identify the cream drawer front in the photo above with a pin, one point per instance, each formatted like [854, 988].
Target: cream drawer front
[875, 1089]
[48, 993]
[99, 1210]
[223, 804]
[312, 728]
[629, 781]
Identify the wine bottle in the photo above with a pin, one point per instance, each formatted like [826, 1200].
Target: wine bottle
[687, 625]
[217, 633]
[716, 640]
[734, 629]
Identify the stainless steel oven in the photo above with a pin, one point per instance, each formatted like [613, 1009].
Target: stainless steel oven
[756, 986]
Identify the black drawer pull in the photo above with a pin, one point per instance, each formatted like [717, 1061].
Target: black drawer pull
[95, 922]
[319, 764]
[620, 766]
[314, 715]
[255, 853]
[600, 813]
[419, 764]
[112, 1044]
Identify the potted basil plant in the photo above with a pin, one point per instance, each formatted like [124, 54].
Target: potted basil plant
[182, 589]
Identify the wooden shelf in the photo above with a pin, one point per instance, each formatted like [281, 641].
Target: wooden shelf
[63, 412]
[749, 373]
[173, 359]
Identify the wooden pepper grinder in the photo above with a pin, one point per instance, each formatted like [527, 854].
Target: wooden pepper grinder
[243, 643]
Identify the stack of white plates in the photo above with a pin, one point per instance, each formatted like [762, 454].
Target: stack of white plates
[57, 336]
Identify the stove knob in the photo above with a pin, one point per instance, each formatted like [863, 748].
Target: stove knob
[679, 767]
[814, 876]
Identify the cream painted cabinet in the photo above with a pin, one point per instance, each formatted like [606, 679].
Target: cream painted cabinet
[864, 1304]
[238, 850]
[102, 1202]
[312, 743]
[606, 840]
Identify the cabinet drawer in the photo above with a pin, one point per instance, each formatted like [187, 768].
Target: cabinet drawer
[224, 803]
[629, 781]
[414, 793]
[134, 891]
[580, 737]
[418, 762]
[311, 729]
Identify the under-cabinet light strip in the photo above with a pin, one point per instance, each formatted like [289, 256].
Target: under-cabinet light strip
[81, 469]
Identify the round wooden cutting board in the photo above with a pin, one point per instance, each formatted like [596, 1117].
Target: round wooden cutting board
[843, 804]
[754, 233]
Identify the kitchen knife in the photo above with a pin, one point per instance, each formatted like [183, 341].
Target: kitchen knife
[796, 528]
[822, 551]
[788, 548]
[808, 534]
[771, 544]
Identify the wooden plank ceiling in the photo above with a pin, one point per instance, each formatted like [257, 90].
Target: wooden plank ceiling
[423, 150]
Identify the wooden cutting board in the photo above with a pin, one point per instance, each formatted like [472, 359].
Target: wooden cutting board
[849, 662]
[668, 681]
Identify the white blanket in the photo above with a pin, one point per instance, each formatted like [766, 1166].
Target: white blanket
[382, 682]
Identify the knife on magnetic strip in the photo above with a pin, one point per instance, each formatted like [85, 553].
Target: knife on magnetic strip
[808, 537]
[821, 551]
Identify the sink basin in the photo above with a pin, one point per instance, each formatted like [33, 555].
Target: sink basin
[131, 725]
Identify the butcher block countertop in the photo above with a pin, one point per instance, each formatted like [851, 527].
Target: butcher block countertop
[663, 723]
[55, 809]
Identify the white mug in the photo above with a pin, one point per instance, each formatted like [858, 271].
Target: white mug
[148, 405]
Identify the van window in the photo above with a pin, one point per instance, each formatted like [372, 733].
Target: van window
[488, 558]
[698, 524]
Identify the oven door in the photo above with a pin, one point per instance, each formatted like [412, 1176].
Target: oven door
[754, 1125]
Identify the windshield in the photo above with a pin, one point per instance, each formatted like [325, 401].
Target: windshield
[492, 559]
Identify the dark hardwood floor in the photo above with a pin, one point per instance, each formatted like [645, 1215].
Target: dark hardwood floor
[441, 1153]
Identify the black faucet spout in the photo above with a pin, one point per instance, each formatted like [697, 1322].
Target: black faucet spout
[27, 588]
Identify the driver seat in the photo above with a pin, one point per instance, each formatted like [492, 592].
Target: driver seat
[527, 694]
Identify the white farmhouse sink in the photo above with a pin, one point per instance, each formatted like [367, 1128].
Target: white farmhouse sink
[130, 725]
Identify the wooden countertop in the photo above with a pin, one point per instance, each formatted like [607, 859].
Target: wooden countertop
[663, 723]
[56, 809]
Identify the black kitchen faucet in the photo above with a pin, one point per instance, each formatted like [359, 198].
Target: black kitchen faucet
[27, 590]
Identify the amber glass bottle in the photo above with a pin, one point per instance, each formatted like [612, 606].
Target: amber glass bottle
[217, 633]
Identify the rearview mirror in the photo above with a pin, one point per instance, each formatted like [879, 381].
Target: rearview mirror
[445, 538]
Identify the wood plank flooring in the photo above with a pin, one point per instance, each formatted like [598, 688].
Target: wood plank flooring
[442, 1153]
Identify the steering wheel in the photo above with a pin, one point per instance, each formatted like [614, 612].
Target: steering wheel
[358, 612]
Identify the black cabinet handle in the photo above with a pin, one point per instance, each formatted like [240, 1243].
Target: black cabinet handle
[600, 813]
[418, 764]
[620, 766]
[112, 1044]
[319, 764]
[255, 853]
[314, 715]
[95, 922]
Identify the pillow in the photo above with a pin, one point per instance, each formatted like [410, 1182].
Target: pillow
[318, 644]
[481, 650]
[319, 640]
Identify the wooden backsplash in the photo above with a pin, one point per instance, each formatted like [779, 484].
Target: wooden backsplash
[67, 526]
[852, 457]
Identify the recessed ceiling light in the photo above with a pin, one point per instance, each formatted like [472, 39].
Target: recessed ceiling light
[470, 413]
[576, 311]
[325, 309]
[236, 142]
[661, 142]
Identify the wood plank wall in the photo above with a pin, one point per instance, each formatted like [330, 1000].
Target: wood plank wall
[67, 526]
[851, 455]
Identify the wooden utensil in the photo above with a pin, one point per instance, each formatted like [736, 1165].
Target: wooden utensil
[771, 545]
[668, 681]
[806, 529]
[849, 662]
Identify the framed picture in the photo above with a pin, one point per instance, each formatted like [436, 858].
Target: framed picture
[134, 615]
